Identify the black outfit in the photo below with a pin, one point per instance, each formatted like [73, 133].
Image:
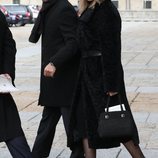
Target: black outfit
[57, 22]
[46, 132]
[19, 148]
[99, 37]
[9, 118]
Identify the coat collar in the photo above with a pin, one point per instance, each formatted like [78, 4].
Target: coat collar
[47, 4]
[38, 27]
[87, 14]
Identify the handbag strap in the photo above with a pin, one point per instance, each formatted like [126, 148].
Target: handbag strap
[108, 102]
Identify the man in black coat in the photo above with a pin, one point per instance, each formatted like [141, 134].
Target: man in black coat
[10, 131]
[57, 22]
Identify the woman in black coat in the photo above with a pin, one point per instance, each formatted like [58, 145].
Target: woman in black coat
[10, 125]
[100, 76]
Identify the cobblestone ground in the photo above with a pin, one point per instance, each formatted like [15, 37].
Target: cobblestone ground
[140, 61]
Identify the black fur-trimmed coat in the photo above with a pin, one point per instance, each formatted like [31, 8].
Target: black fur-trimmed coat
[99, 30]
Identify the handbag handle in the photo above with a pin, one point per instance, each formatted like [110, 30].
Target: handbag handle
[108, 102]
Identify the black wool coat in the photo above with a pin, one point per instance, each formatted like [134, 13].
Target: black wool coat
[59, 46]
[9, 117]
[99, 31]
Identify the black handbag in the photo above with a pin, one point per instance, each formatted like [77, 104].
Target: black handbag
[115, 124]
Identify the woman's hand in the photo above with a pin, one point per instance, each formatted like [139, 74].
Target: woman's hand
[49, 70]
[112, 93]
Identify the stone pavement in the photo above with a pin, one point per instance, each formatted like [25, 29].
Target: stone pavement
[140, 61]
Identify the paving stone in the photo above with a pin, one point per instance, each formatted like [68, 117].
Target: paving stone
[23, 99]
[147, 97]
[153, 118]
[144, 136]
[141, 117]
[37, 118]
[148, 89]
[153, 141]
[55, 153]
[144, 107]
[26, 116]
[131, 96]
[4, 153]
[65, 153]
[33, 107]
[131, 89]
[148, 153]
[109, 153]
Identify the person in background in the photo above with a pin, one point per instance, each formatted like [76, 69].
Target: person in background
[100, 76]
[10, 131]
[56, 24]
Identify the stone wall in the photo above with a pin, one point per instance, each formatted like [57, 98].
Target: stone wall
[139, 15]
[5, 1]
[36, 2]
[130, 10]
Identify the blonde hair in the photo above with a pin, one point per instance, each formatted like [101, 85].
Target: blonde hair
[83, 4]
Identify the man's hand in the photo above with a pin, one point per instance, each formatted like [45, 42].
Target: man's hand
[49, 70]
[111, 93]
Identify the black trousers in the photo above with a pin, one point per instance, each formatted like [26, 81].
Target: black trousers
[19, 148]
[46, 132]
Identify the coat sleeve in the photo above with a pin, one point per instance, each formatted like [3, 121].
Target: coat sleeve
[68, 25]
[111, 54]
[9, 53]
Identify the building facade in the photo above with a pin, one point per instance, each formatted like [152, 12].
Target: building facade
[140, 10]
[135, 5]
[21, 2]
[28, 2]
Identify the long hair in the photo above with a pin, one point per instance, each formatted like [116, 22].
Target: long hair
[83, 4]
